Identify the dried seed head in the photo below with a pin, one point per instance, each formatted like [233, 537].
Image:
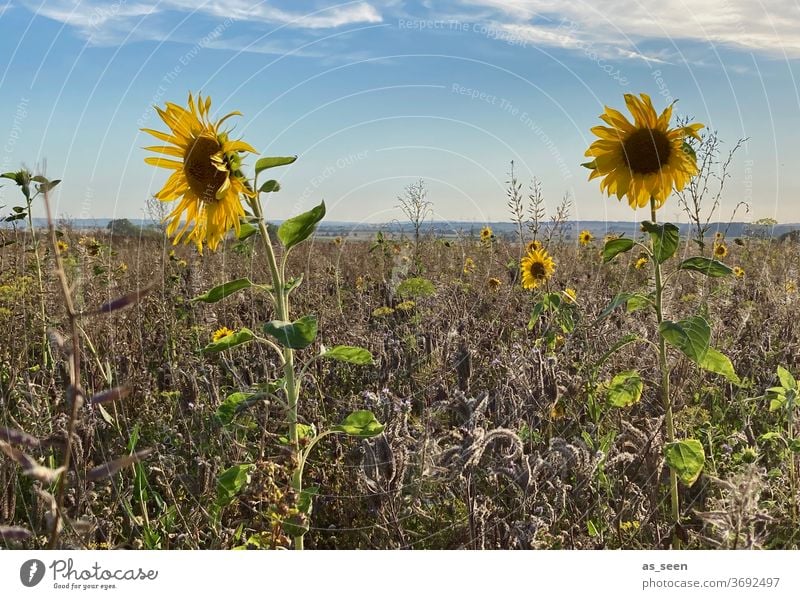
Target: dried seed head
[114, 466]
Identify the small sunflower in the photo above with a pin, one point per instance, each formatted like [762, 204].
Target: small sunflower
[536, 268]
[570, 295]
[494, 284]
[720, 250]
[337, 241]
[585, 237]
[62, 246]
[220, 333]
[533, 245]
[644, 159]
[207, 180]
[719, 236]
[791, 287]
[641, 263]
[486, 234]
[469, 266]
[738, 272]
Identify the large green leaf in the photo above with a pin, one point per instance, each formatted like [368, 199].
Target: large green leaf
[361, 423]
[614, 247]
[665, 239]
[717, 362]
[294, 335]
[691, 336]
[231, 482]
[270, 186]
[686, 458]
[350, 354]
[625, 389]
[787, 380]
[232, 404]
[631, 301]
[706, 266]
[263, 164]
[300, 227]
[222, 291]
[241, 336]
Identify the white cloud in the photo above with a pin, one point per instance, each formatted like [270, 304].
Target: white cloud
[771, 28]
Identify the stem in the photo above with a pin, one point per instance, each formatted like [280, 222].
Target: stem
[46, 357]
[292, 389]
[665, 395]
[74, 377]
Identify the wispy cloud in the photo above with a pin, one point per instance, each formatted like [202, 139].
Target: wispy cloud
[767, 28]
[4, 7]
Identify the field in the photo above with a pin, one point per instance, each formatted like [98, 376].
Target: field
[497, 434]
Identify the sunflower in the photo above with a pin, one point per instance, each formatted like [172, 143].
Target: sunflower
[220, 333]
[720, 250]
[207, 178]
[533, 245]
[791, 287]
[486, 234]
[738, 272]
[641, 263]
[469, 265]
[585, 237]
[719, 236]
[494, 284]
[644, 159]
[570, 295]
[62, 246]
[536, 268]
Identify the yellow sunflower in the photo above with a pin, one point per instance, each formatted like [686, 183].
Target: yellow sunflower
[533, 245]
[641, 262]
[207, 178]
[720, 250]
[494, 284]
[642, 159]
[486, 234]
[738, 272]
[469, 266]
[585, 237]
[221, 333]
[536, 268]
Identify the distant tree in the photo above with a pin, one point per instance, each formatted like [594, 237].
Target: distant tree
[123, 227]
[417, 208]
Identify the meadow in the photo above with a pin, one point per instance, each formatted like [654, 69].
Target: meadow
[497, 434]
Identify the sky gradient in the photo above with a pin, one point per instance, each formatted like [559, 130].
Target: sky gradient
[373, 95]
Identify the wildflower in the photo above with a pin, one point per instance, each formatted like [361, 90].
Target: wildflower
[207, 178]
[122, 267]
[719, 236]
[738, 272]
[406, 306]
[641, 262]
[570, 295]
[486, 234]
[494, 284]
[469, 266]
[62, 246]
[536, 268]
[585, 237]
[337, 241]
[791, 287]
[533, 245]
[382, 311]
[220, 333]
[644, 159]
[720, 250]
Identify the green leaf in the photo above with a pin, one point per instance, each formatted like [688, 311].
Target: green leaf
[625, 389]
[232, 404]
[794, 445]
[691, 336]
[614, 247]
[270, 186]
[590, 165]
[263, 164]
[686, 458]
[717, 362]
[301, 227]
[361, 423]
[294, 335]
[246, 230]
[44, 185]
[786, 378]
[632, 301]
[771, 436]
[231, 482]
[222, 291]
[592, 529]
[350, 354]
[637, 301]
[706, 266]
[241, 336]
[665, 238]
[306, 500]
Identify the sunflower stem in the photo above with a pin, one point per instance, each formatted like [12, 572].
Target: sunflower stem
[665, 394]
[292, 388]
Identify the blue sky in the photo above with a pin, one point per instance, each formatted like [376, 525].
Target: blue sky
[373, 95]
